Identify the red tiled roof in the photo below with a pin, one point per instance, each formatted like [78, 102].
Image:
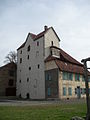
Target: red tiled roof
[67, 66]
[66, 57]
[50, 58]
[40, 34]
[63, 66]
[33, 35]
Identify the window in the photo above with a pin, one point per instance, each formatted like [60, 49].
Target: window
[21, 52]
[48, 77]
[70, 76]
[28, 57]
[64, 91]
[29, 68]
[38, 66]
[28, 49]
[89, 90]
[65, 76]
[27, 95]
[10, 83]
[11, 73]
[51, 43]
[69, 91]
[37, 43]
[49, 91]
[35, 83]
[83, 78]
[88, 78]
[75, 90]
[77, 77]
[37, 53]
[20, 60]
[83, 91]
[51, 52]
[19, 95]
[19, 81]
[27, 79]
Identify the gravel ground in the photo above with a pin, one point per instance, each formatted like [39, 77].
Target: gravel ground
[6, 102]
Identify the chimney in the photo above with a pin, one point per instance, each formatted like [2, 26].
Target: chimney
[45, 27]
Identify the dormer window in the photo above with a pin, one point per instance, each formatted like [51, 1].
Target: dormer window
[55, 52]
[28, 49]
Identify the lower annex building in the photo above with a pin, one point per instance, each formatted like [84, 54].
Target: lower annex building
[46, 71]
[8, 79]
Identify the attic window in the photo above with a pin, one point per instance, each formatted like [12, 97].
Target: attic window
[28, 49]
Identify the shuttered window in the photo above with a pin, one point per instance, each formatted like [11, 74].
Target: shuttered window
[64, 91]
[77, 77]
[49, 91]
[69, 91]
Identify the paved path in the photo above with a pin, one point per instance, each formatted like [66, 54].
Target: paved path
[5, 102]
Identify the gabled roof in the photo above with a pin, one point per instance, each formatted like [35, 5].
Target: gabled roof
[32, 35]
[8, 65]
[35, 37]
[41, 34]
[66, 62]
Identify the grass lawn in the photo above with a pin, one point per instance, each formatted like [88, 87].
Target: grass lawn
[44, 112]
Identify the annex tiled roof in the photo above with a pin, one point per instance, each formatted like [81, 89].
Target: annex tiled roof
[66, 66]
[66, 57]
[63, 66]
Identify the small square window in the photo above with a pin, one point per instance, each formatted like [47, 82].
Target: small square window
[28, 49]
[38, 66]
[20, 60]
[21, 52]
[28, 57]
[37, 43]
[51, 43]
[19, 81]
[27, 79]
[29, 68]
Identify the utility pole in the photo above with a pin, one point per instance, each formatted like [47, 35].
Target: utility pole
[84, 61]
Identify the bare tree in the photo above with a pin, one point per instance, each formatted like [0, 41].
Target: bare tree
[11, 57]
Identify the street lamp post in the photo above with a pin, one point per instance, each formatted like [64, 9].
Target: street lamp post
[87, 87]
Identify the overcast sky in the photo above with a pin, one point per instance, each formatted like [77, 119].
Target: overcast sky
[69, 18]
